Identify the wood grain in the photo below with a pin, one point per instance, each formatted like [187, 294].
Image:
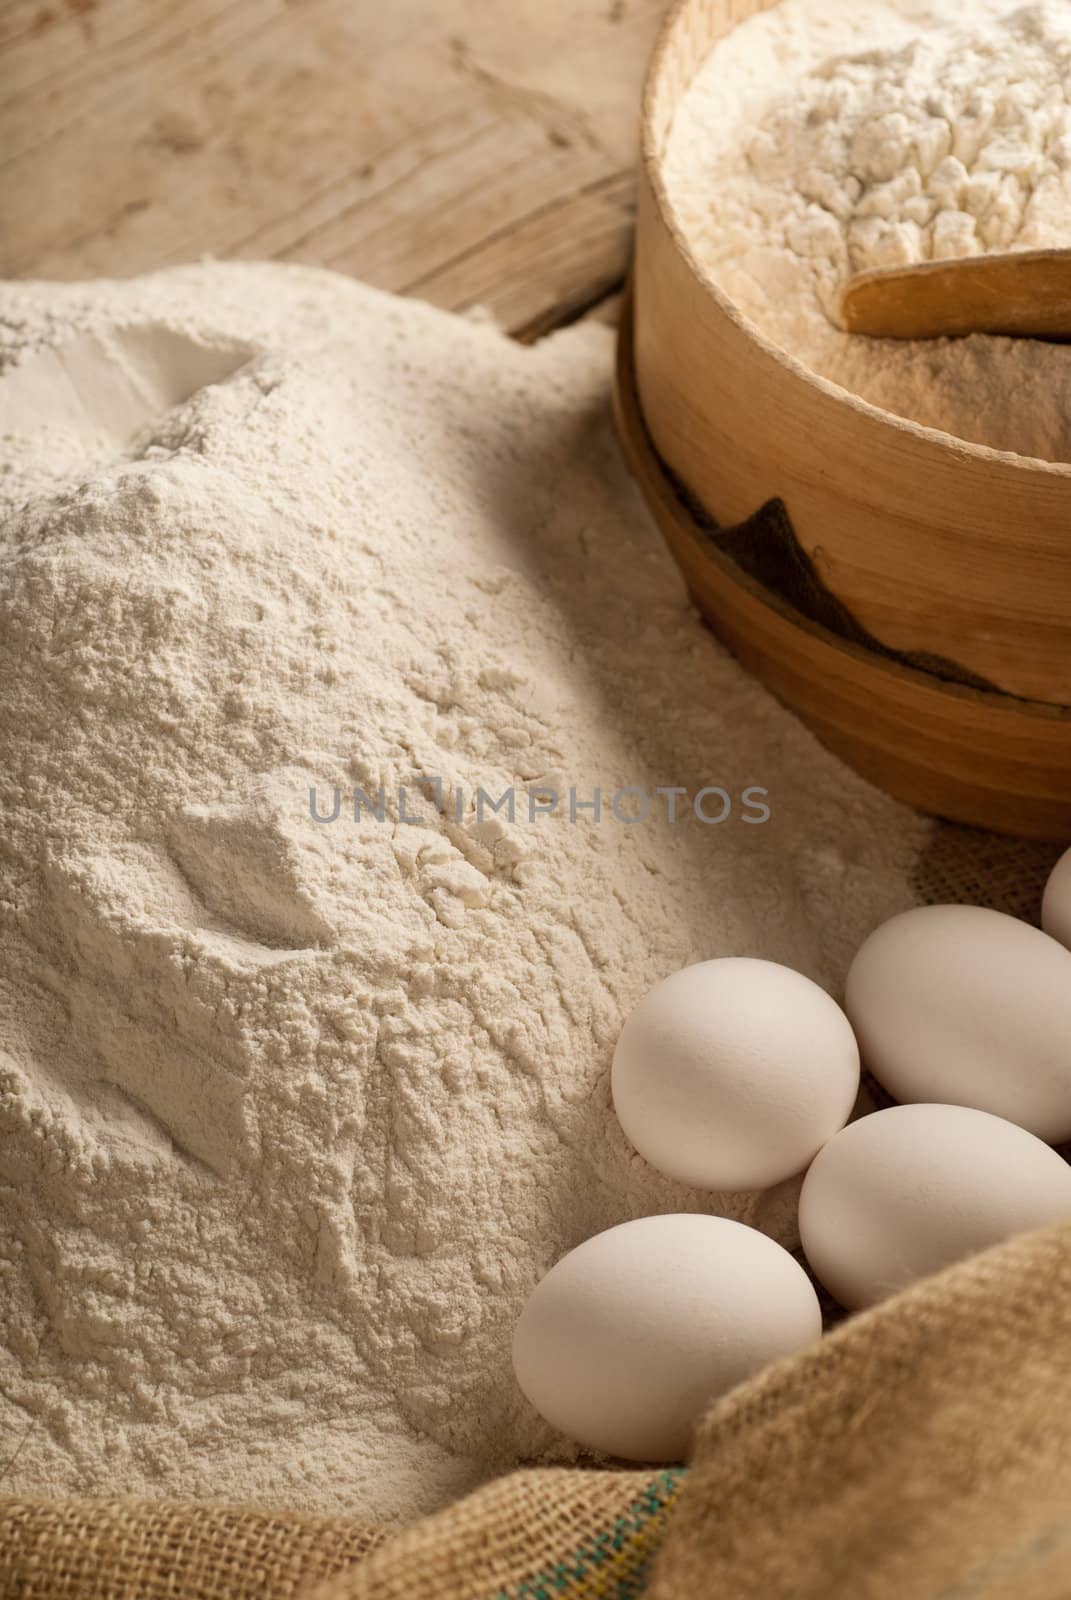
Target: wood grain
[470, 153]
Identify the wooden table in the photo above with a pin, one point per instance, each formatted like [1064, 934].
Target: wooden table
[467, 151]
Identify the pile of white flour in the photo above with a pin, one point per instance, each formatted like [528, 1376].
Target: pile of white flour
[819, 140]
[293, 1115]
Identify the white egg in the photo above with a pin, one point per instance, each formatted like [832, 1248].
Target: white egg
[910, 1190]
[630, 1336]
[1056, 906]
[732, 1074]
[971, 1008]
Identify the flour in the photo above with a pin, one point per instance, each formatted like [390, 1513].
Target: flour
[817, 142]
[293, 1115]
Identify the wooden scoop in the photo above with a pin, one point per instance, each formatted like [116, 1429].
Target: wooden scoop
[1025, 293]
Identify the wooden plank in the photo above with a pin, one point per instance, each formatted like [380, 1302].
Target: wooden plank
[471, 154]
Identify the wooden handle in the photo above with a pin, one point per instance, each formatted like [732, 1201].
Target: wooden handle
[1025, 294]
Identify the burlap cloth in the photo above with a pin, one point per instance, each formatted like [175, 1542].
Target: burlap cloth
[920, 1452]
[119, 1549]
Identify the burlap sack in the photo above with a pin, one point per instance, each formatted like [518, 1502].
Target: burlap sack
[921, 1452]
[544, 1532]
[534, 1535]
[162, 1550]
[965, 866]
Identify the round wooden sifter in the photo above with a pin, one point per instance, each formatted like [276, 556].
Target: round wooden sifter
[930, 642]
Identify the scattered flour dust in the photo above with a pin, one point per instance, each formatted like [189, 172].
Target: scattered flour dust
[293, 1115]
[821, 139]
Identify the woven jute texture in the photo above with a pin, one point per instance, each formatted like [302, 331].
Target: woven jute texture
[162, 1550]
[921, 1452]
[535, 1534]
[965, 866]
[555, 1534]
